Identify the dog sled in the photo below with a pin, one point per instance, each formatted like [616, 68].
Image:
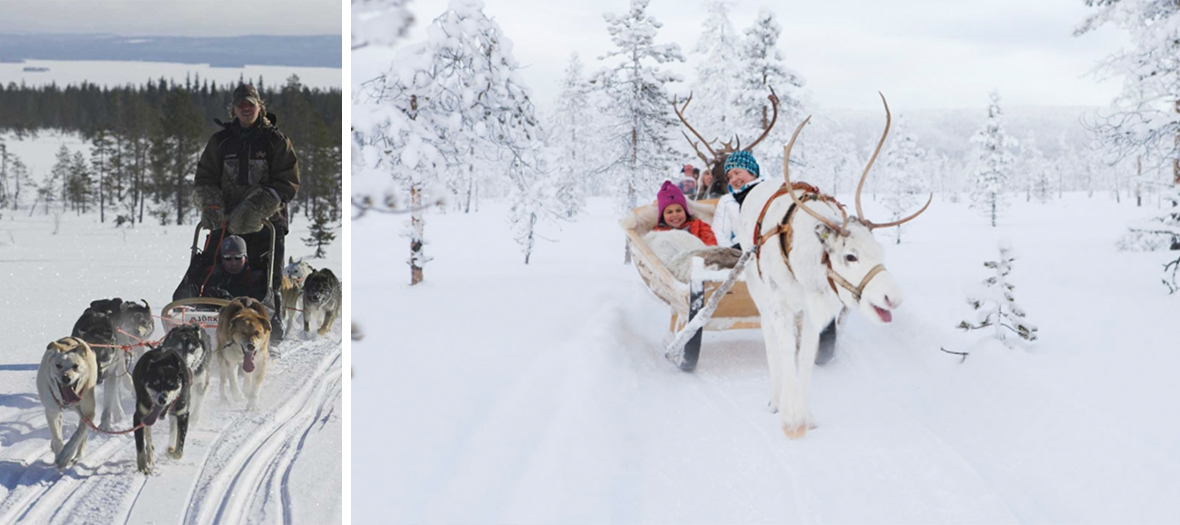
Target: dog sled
[203, 260]
[733, 311]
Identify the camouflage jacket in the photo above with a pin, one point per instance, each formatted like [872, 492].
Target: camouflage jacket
[236, 160]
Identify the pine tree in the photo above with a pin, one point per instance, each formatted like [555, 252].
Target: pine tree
[715, 89]
[640, 122]
[764, 68]
[101, 148]
[994, 162]
[902, 179]
[321, 234]
[995, 305]
[571, 135]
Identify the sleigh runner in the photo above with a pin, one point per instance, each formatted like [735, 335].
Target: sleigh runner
[734, 311]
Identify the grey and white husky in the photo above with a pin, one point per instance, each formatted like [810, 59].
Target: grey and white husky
[321, 299]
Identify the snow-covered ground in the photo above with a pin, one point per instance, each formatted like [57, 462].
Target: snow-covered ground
[119, 73]
[279, 464]
[499, 392]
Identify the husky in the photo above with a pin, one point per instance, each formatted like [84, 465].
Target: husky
[65, 380]
[294, 274]
[192, 342]
[321, 298]
[163, 382]
[243, 338]
[106, 324]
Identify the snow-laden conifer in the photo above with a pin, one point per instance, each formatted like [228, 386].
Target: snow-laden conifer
[639, 121]
[902, 179]
[993, 163]
[717, 82]
[994, 304]
[572, 137]
[764, 67]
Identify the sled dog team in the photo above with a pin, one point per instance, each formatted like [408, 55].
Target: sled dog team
[171, 377]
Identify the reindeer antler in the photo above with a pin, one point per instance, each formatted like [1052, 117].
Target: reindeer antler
[859, 212]
[888, 119]
[680, 113]
[774, 104]
[791, 192]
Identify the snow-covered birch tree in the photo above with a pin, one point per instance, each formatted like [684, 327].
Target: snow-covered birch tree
[993, 163]
[764, 67]
[1144, 120]
[448, 102]
[638, 150]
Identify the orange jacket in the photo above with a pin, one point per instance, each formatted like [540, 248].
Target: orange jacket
[696, 227]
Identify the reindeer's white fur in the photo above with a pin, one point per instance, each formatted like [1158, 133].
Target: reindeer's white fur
[796, 308]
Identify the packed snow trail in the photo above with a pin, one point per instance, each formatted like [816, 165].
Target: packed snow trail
[235, 469]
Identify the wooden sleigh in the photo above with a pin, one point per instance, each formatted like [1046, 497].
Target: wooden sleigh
[735, 311]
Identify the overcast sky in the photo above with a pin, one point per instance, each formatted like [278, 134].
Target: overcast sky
[173, 17]
[919, 53]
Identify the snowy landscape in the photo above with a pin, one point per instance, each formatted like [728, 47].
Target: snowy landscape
[82, 220]
[518, 361]
[279, 464]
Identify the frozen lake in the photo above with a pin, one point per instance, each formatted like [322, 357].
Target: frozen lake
[114, 73]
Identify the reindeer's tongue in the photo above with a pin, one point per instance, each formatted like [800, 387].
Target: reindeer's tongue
[248, 361]
[885, 315]
[153, 415]
[68, 396]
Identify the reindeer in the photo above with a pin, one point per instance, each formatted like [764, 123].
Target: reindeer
[715, 160]
[804, 275]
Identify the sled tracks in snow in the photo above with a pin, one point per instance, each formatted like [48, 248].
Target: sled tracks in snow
[236, 468]
[245, 476]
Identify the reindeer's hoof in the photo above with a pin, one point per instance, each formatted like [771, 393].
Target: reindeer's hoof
[796, 432]
[175, 454]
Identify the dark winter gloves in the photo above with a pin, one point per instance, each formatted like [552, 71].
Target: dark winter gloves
[259, 204]
[208, 200]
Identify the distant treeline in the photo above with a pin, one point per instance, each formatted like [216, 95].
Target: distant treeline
[145, 141]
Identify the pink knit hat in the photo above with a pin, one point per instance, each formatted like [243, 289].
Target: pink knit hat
[671, 194]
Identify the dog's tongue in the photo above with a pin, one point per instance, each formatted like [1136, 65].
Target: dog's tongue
[153, 415]
[248, 362]
[68, 396]
[885, 315]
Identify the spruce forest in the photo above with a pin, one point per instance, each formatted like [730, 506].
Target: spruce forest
[145, 142]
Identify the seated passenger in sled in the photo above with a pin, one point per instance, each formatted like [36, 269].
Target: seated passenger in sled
[232, 274]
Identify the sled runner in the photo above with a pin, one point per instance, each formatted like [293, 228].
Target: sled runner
[735, 311]
[204, 310]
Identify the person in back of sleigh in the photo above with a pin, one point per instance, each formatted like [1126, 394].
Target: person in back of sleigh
[247, 174]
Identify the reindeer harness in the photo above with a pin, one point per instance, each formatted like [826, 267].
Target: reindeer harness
[784, 231]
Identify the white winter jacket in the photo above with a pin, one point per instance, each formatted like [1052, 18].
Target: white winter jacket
[725, 220]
